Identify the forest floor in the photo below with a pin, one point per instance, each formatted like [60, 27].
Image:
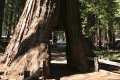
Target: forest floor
[60, 71]
[63, 72]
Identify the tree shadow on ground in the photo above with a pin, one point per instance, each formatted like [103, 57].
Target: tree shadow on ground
[58, 71]
[110, 68]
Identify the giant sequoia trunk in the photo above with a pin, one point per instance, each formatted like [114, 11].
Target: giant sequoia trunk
[75, 42]
[28, 47]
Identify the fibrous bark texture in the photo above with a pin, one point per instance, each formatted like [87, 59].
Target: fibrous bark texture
[75, 42]
[28, 47]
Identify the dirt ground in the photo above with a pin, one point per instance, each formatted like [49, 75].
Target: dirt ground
[64, 72]
[101, 75]
[60, 71]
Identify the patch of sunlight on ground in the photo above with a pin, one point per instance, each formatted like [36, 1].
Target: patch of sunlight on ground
[101, 75]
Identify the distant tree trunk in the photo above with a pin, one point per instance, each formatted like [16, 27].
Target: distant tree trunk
[90, 23]
[100, 39]
[9, 33]
[111, 37]
[76, 56]
[106, 39]
[2, 3]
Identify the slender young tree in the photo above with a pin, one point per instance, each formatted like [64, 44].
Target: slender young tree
[2, 3]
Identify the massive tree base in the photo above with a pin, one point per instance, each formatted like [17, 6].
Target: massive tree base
[28, 48]
[31, 63]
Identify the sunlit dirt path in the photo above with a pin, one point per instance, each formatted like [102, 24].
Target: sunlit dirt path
[101, 75]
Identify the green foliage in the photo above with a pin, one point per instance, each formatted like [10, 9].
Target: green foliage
[107, 14]
[109, 55]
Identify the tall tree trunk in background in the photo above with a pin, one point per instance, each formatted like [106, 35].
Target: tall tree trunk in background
[75, 43]
[2, 3]
[111, 37]
[28, 47]
[100, 38]
[106, 39]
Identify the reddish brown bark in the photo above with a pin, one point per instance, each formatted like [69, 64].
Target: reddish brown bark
[76, 47]
[28, 47]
